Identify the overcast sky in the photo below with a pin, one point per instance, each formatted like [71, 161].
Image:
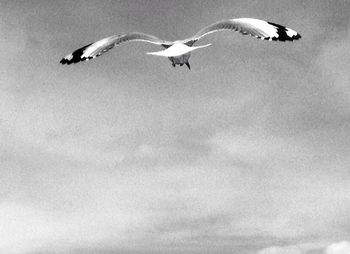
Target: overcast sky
[247, 153]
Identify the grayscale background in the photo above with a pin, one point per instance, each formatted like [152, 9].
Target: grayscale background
[247, 153]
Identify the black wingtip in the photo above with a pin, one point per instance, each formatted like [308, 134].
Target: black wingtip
[284, 33]
[75, 57]
[65, 61]
[188, 65]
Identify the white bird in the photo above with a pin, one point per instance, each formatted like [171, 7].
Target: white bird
[179, 51]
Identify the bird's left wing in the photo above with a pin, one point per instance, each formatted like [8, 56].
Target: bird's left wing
[255, 27]
[96, 49]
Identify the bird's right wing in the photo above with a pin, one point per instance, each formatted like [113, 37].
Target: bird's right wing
[98, 48]
[255, 27]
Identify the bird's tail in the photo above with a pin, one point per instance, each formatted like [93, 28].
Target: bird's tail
[173, 52]
[201, 46]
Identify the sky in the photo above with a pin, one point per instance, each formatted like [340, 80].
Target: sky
[247, 153]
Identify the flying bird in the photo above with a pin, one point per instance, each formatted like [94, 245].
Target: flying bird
[179, 51]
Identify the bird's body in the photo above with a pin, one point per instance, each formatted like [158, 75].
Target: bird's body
[179, 51]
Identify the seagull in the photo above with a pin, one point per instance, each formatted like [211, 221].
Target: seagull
[179, 52]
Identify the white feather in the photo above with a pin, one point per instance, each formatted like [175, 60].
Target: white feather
[177, 49]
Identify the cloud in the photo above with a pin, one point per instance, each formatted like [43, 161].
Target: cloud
[28, 227]
[313, 247]
[333, 61]
[338, 248]
[281, 250]
[280, 175]
[22, 229]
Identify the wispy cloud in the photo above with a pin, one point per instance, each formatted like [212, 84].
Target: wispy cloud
[281, 250]
[338, 248]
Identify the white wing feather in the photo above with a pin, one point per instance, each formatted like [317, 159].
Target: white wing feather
[255, 27]
[98, 48]
[177, 49]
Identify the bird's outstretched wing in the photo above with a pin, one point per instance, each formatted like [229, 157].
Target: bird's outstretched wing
[96, 49]
[255, 27]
